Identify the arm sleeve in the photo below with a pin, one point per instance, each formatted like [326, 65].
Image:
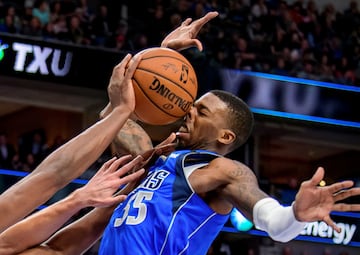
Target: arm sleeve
[278, 221]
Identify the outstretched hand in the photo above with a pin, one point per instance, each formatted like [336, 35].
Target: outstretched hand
[315, 203]
[99, 191]
[184, 36]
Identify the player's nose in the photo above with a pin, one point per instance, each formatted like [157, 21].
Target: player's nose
[191, 113]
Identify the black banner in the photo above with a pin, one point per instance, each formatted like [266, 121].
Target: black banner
[60, 63]
[295, 98]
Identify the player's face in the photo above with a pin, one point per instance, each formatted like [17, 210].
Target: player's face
[203, 123]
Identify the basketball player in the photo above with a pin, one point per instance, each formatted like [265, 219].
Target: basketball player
[90, 227]
[186, 198]
[74, 157]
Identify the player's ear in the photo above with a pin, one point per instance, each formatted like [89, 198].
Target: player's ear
[226, 136]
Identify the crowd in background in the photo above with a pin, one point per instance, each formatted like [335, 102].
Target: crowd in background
[272, 36]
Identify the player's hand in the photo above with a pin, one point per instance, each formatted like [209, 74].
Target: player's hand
[167, 146]
[315, 203]
[120, 89]
[184, 36]
[99, 191]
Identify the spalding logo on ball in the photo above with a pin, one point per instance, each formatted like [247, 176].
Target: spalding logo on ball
[165, 86]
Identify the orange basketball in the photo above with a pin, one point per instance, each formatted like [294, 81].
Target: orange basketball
[165, 86]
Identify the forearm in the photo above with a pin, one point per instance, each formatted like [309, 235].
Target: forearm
[132, 139]
[59, 168]
[82, 234]
[38, 227]
[278, 221]
[79, 153]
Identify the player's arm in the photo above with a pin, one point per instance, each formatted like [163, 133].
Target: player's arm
[98, 192]
[237, 184]
[79, 236]
[74, 157]
[131, 139]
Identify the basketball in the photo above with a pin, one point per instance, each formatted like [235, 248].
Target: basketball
[165, 86]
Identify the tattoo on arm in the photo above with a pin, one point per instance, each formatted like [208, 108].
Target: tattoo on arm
[132, 139]
[247, 188]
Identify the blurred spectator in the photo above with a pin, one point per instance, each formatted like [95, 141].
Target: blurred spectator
[7, 25]
[55, 11]
[102, 27]
[7, 151]
[33, 143]
[29, 163]
[16, 163]
[76, 34]
[41, 10]
[11, 23]
[34, 28]
[259, 9]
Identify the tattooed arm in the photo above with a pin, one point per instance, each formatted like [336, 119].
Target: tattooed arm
[234, 184]
[131, 139]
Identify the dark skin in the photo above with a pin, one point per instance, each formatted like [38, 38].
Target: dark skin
[225, 183]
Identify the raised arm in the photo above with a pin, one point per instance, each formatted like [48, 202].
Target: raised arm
[74, 157]
[133, 139]
[98, 192]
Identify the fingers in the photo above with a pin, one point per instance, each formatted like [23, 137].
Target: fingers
[120, 161]
[132, 177]
[129, 166]
[168, 140]
[118, 199]
[134, 62]
[122, 65]
[186, 22]
[193, 42]
[198, 44]
[331, 223]
[339, 188]
[346, 193]
[107, 164]
[203, 20]
[317, 177]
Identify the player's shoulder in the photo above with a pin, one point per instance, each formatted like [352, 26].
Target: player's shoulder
[226, 161]
[229, 166]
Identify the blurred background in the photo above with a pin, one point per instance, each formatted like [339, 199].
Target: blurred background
[296, 63]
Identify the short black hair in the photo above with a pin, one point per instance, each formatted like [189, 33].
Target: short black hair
[240, 118]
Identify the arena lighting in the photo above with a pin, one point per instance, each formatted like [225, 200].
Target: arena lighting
[239, 221]
[302, 81]
[295, 116]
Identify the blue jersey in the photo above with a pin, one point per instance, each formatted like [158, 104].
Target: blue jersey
[163, 215]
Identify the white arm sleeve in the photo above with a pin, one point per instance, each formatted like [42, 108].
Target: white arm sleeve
[278, 221]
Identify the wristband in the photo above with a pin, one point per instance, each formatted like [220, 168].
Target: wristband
[278, 221]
